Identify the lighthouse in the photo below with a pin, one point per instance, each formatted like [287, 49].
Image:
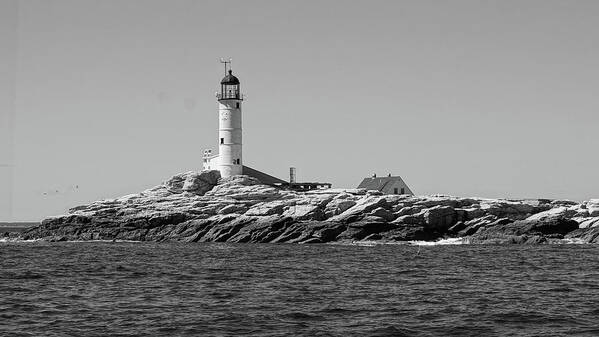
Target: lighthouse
[229, 126]
[229, 160]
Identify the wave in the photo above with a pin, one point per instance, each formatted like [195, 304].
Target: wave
[371, 243]
[450, 241]
[444, 242]
[570, 241]
[17, 240]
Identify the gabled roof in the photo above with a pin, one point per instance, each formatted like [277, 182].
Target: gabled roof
[263, 177]
[384, 184]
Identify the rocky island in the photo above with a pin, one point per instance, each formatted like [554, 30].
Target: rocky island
[203, 207]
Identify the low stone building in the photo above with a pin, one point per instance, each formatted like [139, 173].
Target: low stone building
[387, 185]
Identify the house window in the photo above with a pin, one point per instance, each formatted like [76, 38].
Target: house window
[222, 140]
[395, 190]
[237, 105]
[403, 191]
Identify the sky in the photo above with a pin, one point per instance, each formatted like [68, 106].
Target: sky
[497, 99]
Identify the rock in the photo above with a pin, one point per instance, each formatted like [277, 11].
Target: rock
[535, 239]
[585, 235]
[499, 222]
[383, 213]
[474, 213]
[304, 212]
[361, 229]
[459, 226]
[254, 229]
[515, 210]
[561, 203]
[413, 219]
[302, 231]
[200, 183]
[411, 232]
[267, 208]
[233, 208]
[472, 226]
[362, 206]
[551, 226]
[338, 206]
[355, 191]
[437, 200]
[401, 210]
[505, 239]
[593, 207]
[587, 222]
[373, 237]
[247, 189]
[311, 240]
[200, 207]
[554, 213]
[440, 217]
[506, 232]
[330, 232]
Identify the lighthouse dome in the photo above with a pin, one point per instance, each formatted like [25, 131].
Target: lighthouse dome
[230, 79]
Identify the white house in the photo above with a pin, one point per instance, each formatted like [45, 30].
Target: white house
[387, 185]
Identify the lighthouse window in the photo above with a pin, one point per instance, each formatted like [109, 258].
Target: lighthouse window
[222, 140]
[237, 105]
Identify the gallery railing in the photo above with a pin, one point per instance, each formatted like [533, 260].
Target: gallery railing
[229, 95]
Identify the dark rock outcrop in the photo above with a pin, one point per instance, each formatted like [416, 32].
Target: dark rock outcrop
[201, 207]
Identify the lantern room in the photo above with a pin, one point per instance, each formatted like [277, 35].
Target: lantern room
[229, 87]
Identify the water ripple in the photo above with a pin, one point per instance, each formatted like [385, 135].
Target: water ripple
[127, 289]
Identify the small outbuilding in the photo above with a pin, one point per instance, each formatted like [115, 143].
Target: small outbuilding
[387, 185]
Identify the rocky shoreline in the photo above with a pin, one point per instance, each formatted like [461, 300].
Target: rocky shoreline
[202, 207]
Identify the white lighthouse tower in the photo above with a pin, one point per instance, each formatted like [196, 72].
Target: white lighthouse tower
[229, 160]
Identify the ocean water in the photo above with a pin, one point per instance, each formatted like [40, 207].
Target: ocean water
[160, 289]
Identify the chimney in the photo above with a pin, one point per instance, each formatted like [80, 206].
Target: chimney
[292, 175]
